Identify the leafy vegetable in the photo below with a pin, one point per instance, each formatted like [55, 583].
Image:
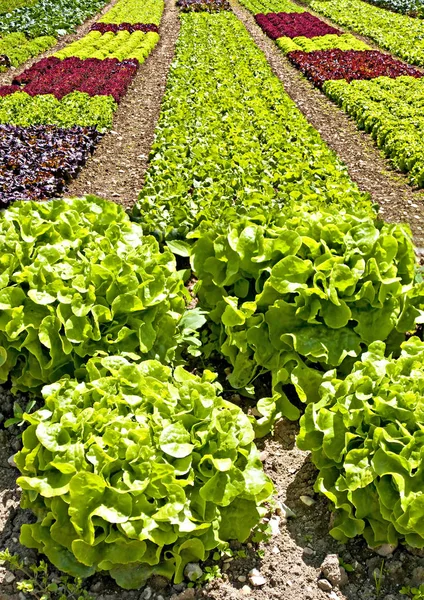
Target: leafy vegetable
[37, 162]
[76, 108]
[322, 42]
[229, 141]
[366, 438]
[138, 472]
[301, 297]
[323, 65]
[18, 49]
[390, 110]
[79, 279]
[49, 17]
[130, 27]
[122, 46]
[133, 11]
[266, 6]
[400, 34]
[209, 6]
[414, 8]
[292, 25]
[108, 77]
[7, 6]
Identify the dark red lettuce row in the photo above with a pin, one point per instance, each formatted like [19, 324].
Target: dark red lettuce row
[131, 27]
[92, 76]
[323, 65]
[293, 25]
[37, 162]
[5, 90]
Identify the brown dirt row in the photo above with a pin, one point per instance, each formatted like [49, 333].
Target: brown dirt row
[398, 201]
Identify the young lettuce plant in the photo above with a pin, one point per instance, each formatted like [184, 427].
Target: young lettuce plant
[138, 471]
[301, 297]
[366, 437]
[80, 279]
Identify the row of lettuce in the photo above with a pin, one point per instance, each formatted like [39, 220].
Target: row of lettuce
[134, 465]
[33, 27]
[71, 93]
[383, 94]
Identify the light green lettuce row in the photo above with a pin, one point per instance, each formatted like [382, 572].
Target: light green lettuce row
[19, 49]
[267, 6]
[78, 279]
[7, 6]
[366, 434]
[305, 295]
[76, 108]
[138, 471]
[392, 111]
[134, 11]
[400, 34]
[121, 45]
[230, 141]
[323, 42]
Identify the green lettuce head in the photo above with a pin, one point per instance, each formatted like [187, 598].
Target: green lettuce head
[303, 296]
[138, 471]
[79, 279]
[366, 434]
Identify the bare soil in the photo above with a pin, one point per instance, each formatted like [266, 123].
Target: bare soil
[116, 170]
[367, 166]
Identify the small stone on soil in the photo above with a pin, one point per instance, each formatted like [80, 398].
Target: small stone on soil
[9, 577]
[193, 571]
[274, 524]
[325, 585]
[147, 594]
[245, 590]
[242, 578]
[256, 578]
[307, 500]
[386, 549]
[332, 571]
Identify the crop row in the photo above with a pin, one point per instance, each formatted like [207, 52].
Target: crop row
[277, 6]
[209, 6]
[391, 111]
[6, 6]
[121, 45]
[94, 77]
[80, 86]
[292, 25]
[229, 139]
[400, 34]
[48, 17]
[324, 65]
[37, 162]
[17, 49]
[323, 42]
[130, 27]
[133, 11]
[388, 106]
[32, 29]
[413, 8]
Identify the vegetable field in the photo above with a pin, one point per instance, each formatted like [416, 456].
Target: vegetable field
[211, 300]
